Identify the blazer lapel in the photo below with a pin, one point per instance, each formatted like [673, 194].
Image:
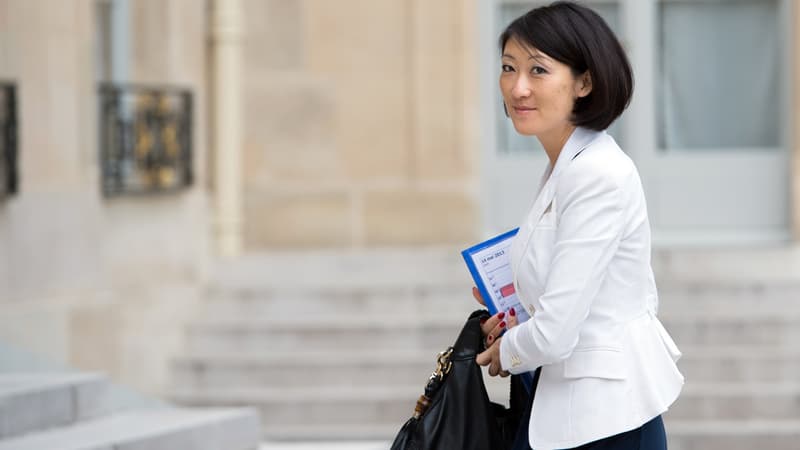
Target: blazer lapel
[543, 201]
[576, 143]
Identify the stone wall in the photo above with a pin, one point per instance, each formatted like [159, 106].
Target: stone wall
[360, 123]
[100, 283]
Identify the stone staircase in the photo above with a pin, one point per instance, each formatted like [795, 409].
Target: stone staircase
[61, 410]
[339, 345]
[741, 362]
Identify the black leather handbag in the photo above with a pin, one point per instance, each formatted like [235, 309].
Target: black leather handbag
[455, 412]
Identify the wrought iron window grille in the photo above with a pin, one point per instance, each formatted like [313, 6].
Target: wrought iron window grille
[8, 140]
[145, 139]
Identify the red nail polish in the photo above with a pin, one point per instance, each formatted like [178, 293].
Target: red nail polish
[512, 312]
[503, 324]
[490, 338]
[501, 315]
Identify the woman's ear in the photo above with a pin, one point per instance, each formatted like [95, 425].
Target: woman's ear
[583, 85]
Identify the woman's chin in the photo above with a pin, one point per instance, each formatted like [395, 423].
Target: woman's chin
[525, 129]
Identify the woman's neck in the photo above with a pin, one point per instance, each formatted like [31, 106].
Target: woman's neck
[554, 141]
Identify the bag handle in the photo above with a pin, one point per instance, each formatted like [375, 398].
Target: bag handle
[464, 347]
[443, 367]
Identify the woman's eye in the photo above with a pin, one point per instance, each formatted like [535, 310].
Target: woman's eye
[507, 68]
[538, 70]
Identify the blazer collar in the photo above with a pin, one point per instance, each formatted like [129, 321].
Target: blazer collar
[578, 140]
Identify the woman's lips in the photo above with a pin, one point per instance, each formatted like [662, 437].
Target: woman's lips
[523, 109]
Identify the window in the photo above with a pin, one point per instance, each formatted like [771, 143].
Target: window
[145, 139]
[720, 68]
[8, 139]
[145, 130]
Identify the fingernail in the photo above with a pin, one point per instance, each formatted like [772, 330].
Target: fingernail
[483, 321]
[490, 338]
[512, 312]
[501, 315]
[503, 324]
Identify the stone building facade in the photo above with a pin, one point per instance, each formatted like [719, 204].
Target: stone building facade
[361, 125]
[355, 115]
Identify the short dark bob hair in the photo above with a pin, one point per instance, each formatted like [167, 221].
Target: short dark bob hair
[578, 37]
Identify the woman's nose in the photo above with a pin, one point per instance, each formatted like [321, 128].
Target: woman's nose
[521, 88]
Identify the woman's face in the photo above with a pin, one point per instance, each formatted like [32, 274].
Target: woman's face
[539, 91]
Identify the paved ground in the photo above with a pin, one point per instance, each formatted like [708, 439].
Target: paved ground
[325, 446]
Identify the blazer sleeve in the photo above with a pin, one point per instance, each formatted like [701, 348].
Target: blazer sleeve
[589, 228]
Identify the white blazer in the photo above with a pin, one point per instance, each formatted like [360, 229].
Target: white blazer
[581, 263]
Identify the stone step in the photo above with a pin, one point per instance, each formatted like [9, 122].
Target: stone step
[376, 297]
[732, 434]
[349, 443]
[731, 364]
[435, 332]
[408, 301]
[426, 302]
[315, 436]
[698, 364]
[738, 401]
[687, 267]
[356, 333]
[314, 405]
[322, 405]
[771, 331]
[351, 278]
[742, 290]
[333, 285]
[306, 368]
[391, 404]
[358, 291]
[151, 430]
[33, 402]
[681, 435]
[331, 269]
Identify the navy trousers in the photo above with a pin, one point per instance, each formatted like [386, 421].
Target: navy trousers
[650, 436]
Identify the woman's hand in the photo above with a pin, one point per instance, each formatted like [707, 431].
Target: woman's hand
[495, 325]
[492, 327]
[491, 356]
[478, 297]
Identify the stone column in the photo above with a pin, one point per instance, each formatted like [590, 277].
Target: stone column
[795, 134]
[226, 34]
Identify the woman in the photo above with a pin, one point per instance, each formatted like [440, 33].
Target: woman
[581, 258]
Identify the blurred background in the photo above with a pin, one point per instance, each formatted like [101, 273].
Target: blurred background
[255, 208]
